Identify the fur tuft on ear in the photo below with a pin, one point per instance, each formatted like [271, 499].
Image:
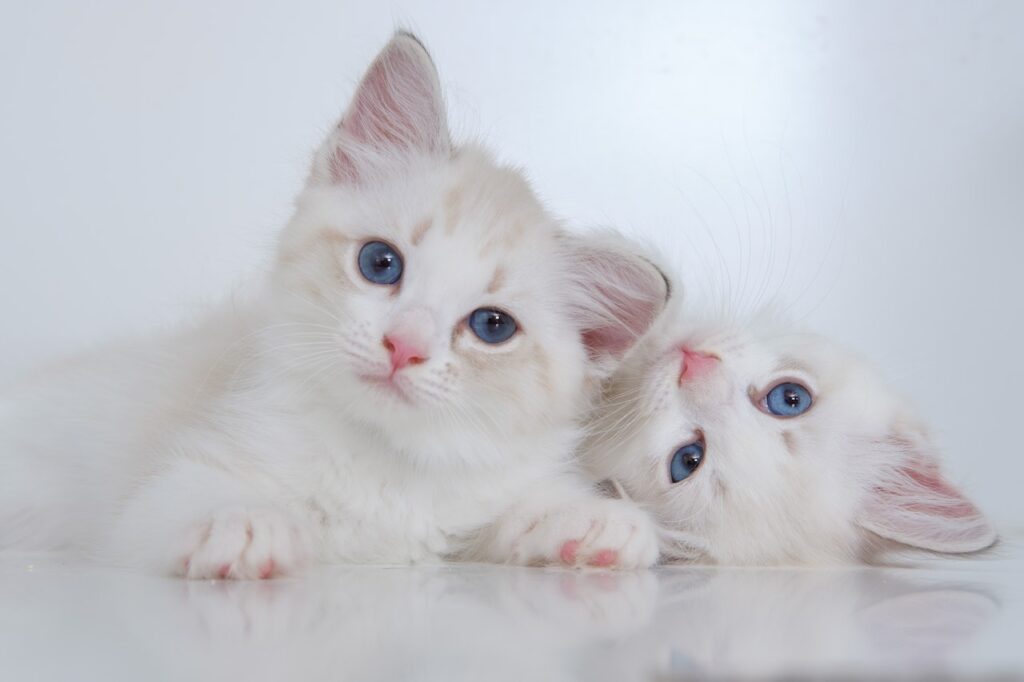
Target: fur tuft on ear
[617, 294]
[396, 110]
[913, 504]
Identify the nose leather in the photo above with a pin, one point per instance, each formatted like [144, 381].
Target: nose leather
[403, 352]
[695, 364]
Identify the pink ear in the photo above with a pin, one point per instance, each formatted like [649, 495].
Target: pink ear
[618, 294]
[397, 109]
[915, 505]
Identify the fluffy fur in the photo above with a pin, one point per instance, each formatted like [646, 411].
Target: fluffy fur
[855, 472]
[276, 431]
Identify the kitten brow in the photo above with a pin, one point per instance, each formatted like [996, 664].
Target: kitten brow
[421, 230]
[497, 281]
[453, 209]
[790, 441]
[791, 364]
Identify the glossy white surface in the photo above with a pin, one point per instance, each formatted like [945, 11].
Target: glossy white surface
[962, 618]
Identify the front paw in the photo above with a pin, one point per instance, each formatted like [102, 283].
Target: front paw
[599, 532]
[244, 543]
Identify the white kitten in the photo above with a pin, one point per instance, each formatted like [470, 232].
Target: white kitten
[756, 444]
[404, 386]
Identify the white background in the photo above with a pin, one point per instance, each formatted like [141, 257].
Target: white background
[861, 162]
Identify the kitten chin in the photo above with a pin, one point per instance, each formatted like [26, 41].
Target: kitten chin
[761, 444]
[404, 386]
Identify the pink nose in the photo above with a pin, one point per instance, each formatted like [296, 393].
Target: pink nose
[403, 353]
[695, 364]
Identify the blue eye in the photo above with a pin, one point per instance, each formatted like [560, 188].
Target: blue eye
[380, 263]
[788, 400]
[492, 325]
[686, 460]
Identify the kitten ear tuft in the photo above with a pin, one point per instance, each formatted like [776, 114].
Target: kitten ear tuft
[397, 109]
[914, 504]
[617, 294]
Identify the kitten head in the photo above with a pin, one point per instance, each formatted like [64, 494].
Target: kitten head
[426, 289]
[758, 444]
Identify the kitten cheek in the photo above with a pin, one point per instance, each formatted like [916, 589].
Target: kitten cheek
[502, 378]
[493, 371]
[466, 343]
[492, 363]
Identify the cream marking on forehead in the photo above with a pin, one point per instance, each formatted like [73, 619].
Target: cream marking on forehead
[452, 209]
[790, 364]
[421, 230]
[497, 281]
[504, 233]
[790, 440]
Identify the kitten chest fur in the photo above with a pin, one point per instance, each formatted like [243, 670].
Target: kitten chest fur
[368, 499]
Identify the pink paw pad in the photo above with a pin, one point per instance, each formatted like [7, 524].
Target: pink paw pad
[224, 571]
[605, 558]
[568, 551]
[267, 569]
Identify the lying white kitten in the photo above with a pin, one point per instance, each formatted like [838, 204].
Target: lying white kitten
[404, 386]
[755, 444]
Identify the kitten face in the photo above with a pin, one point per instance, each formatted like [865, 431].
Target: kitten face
[812, 472]
[429, 294]
[470, 236]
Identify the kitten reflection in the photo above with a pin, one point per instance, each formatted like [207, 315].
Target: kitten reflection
[520, 624]
[785, 622]
[424, 623]
[495, 623]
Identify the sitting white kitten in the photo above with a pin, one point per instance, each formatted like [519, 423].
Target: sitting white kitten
[754, 444]
[405, 386]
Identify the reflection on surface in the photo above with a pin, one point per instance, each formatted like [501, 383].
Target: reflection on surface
[483, 622]
[753, 623]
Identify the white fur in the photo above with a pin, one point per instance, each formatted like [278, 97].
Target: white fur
[247, 444]
[826, 486]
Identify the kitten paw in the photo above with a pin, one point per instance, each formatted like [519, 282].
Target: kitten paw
[244, 544]
[598, 533]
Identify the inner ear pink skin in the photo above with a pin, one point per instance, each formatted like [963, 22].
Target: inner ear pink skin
[397, 108]
[695, 364]
[617, 293]
[918, 507]
[947, 502]
[396, 97]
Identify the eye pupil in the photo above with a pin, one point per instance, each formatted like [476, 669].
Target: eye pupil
[787, 400]
[380, 263]
[686, 460]
[492, 326]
